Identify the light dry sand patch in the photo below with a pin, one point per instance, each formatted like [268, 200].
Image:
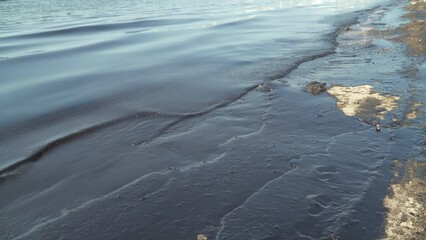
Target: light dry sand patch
[406, 216]
[363, 101]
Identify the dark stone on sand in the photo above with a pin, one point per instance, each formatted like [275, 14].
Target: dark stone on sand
[293, 165]
[315, 87]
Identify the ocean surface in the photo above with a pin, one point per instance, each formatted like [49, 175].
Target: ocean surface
[59, 58]
[148, 119]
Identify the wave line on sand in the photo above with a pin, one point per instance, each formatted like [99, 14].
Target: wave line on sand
[35, 156]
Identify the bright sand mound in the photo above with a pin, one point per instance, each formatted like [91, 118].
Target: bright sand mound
[363, 101]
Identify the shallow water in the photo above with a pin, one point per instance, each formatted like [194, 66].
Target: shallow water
[196, 53]
[163, 120]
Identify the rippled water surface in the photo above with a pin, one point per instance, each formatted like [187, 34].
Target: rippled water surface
[195, 52]
[139, 119]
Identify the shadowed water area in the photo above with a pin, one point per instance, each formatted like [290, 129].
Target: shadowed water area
[169, 119]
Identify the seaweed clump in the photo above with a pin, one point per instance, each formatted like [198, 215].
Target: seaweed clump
[315, 87]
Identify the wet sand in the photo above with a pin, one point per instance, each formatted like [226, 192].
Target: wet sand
[406, 202]
[402, 114]
[272, 162]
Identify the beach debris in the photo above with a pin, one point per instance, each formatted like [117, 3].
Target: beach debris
[201, 237]
[373, 123]
[315, 87]
[362, 101]
[406, 204]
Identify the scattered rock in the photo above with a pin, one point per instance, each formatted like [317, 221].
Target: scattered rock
[315, 87]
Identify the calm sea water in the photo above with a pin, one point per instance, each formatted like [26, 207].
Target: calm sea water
[148, 119]
[174, 55]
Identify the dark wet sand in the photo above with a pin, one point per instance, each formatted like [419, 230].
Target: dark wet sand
[406, 202]
[271, 163]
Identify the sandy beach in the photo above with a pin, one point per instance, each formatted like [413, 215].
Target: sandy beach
[205, 120]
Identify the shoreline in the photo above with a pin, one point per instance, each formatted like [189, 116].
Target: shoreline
[405, 217]
[275, 163]
[374, 103]
[406, 202]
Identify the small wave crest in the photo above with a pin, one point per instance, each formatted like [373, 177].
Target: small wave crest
[97, 28]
